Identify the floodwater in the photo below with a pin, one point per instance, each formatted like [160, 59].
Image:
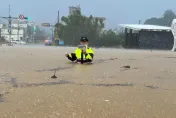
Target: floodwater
[119, 84]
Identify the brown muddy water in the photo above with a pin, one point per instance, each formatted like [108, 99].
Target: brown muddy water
[119, 84]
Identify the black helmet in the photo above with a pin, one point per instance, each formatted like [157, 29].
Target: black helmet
[84, 39]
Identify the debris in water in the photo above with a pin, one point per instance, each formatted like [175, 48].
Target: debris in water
[113, 58]
[132, 59]
[22, 85]
[55, 69]
[1, 98]
[109, 85]
[14, 82]
[170, 57]
[54, 76]
[151, 86]
[126, 66]
[104, 60]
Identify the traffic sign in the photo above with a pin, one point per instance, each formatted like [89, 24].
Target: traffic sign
[46, 24]
[27, 18]
[21, 16]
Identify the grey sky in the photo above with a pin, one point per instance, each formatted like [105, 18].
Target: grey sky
[116, 11]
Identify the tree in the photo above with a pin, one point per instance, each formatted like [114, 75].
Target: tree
[109, 38]
[165, 20]
[76, 25]
[168, 16]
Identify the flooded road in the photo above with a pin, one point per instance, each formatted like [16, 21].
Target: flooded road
[119, 84]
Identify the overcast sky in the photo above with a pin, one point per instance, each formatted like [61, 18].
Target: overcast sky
[115, 11]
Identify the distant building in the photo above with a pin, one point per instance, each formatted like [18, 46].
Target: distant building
[16, 35]
[73, 9]
[17, 30]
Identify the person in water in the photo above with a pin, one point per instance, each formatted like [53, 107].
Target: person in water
[88, 53]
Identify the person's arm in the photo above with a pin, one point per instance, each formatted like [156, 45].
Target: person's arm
[90, 54]
[72, 56]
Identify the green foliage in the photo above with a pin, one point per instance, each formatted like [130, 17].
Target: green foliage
[76, 25]
[165, 20]
[110, 37]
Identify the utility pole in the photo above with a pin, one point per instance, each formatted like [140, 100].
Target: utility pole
[10, 18]
[52, 32]
[10, 26]
[58, 20]
[18, 29]
[58, 17]
[34, 29]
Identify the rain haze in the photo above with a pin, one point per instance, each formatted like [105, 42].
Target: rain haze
[85, 68]
[115, 11]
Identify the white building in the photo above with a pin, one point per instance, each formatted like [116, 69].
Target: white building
[73, 9]
[17, 30]
[15, 34]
